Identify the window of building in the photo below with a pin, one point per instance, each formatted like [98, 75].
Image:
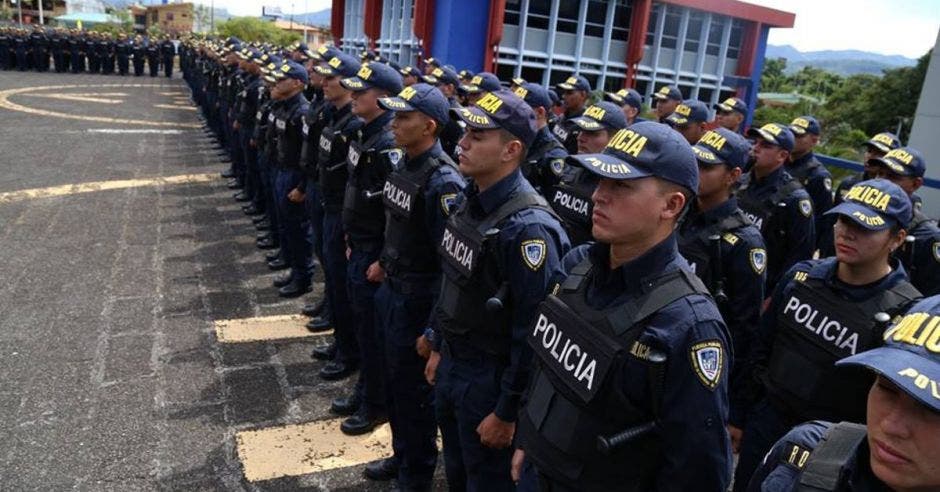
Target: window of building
[694, 33]
[539, 12]
[671, 28]
[512, 12]
[654, 21]
[714, 36]
[622, 16]
[737, 37]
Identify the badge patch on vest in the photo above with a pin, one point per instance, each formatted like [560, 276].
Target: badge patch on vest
[758, 260]
[706, 361]
[806, 208]
[558, 166]
[533, 253]
[447, 202]
[827, 182]
[394, 156]
[936, 250]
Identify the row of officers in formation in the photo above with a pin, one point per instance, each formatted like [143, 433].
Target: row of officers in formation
[79, 51]
[587, 301]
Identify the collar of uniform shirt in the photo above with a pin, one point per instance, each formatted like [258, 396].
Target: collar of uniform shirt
[778, 175]
[714, 215]
[416, 161]
[610, 285]
[340, 112]
[489, 200]
[860, 292]
[376, 125]
[803, 159]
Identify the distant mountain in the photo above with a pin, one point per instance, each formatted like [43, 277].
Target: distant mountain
[843, 62]
[319, 18]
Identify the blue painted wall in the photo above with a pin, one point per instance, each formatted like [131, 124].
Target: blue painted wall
[459, 36]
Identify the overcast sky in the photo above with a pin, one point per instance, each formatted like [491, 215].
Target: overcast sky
[890, 27]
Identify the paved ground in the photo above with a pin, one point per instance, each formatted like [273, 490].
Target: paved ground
[113, 375]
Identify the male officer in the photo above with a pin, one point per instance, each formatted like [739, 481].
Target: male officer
[905, 167]
[824, 310]
[479, 85]
[59, 42]
[776, 203]
[575, 93]
[153, 55]
[898, 448]
[106, 54]
[372, 157]
[876, 147]
[410, 75]
[690, 118]
[333, 174]
[726, 251]
[631, 103]
[446, 81]
[139, 53]
[545, 160]
[815, 178]
[501, 244]
[571, 198]
[417, 196]
[21, 50]
[731, 113]
[123, 51]
[5, 43]
[246, 109]
[39, 43]
[168, 52]
[77, 51]
[629, 339]
[667, 99]
[290, 79]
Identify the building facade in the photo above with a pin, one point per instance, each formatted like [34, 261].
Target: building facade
[709, 48]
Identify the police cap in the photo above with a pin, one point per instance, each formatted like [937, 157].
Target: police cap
[374, 75]
[802, 125]
[601, 116]
[774, 133]
[903, 161]
[501, 109]
[875, 205]
[342, 65]
[689, 111]
[722, 146]
[419, 97]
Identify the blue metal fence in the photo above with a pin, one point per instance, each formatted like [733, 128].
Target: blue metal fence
[854, 166]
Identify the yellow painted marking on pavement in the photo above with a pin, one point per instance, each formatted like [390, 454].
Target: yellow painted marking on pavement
[312, 447]
[76, 97]
[7, 104]
[171, 106]
[263, 328]
[73, 189]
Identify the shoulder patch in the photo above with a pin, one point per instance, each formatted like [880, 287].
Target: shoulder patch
[557, 166]
[758, 257]
[447, 202]
[936, 250]
[795, 456]
[827, 182]
[806, 207]
[394, 156]
[730, 238]
[707, 361]
[534, 253]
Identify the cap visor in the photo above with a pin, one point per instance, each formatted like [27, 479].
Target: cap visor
[614, 97]
[891, 166]
[677, 120]
[355, 84]
[878, 146]
[797, 130]
[588, 124]
[474, 118]
[395, 104]
[607, 166]
[890, 362]
[661, 97]
[723, 107]
[759, 133]
[565, 87]
[862, 215]
[325, 71]
[706, 155]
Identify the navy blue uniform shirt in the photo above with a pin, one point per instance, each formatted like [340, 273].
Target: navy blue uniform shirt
[817, 180]
[693, 412]
[924, 264]
[544, 168]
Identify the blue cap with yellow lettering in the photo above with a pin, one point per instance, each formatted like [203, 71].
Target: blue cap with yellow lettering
[626, 97]
[442, 75]
[876, 205]
[501, 109]
[689, 111]
[884, 142]
[732, 104]
[722, 146]
[342, 65]
[904, 161]
[601, 116]
[802, 125]
[774, 133]
[482, 82]
[535, 95]
[644, 149]
[575, 83]
[374, 75]
[291, 70]
[910, 356]
[419, 97]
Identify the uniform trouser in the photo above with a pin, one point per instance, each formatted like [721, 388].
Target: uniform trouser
[292, 220]
[94, 64]
[466, 391]
[765, 425]
[154, 64]
[334, 275]
[315, 213]
[371, 384]
[78, 62]
[61, 61]
[40, 60]
[269, 178]
[123, 62]
[107, 64]
[168, 67]
[138, 67]
[250, 158]
[402, 311]
[21, 62]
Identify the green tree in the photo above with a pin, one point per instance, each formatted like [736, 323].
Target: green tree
[773, 79]
[254, 29]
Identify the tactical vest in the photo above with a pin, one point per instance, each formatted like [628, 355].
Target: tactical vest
[762, 212]
[575, 395]
[408, 247]
[469, 247]
[571, 200]
[333, 149]
[815, 328]
[288, 137]
[567, 133]
[831, 464]
[314, 121]
[532, 167]
[699, 249]
[363, 212]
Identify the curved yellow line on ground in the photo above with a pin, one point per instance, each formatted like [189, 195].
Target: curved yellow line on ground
[7, 104]
[73, 189]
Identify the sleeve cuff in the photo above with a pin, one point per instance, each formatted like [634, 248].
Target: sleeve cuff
[507, 408]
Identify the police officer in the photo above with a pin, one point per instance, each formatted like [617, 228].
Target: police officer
[501, 244]
[139, 52]
[153, 55]
[479, 85]
[446, 81]
[410, 75]
[905, 167]
[430, 64]
[726, 252]
[167, 52]
[333, 173]
[571, 198]
[815, 178]
[824, 310]
[21, 50]
[105, 50]
[667, 99]
[690, 118]
[731, 114]
[545, 160]
[898, 448]
[417, 197]
[372, 157]
[122, 49]
[575, 91]
[39, 44]
[631, 103]
[629, 340]
[244, 126]
[290, 81]
[776, 203]
[58, 41]
[76, 45]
